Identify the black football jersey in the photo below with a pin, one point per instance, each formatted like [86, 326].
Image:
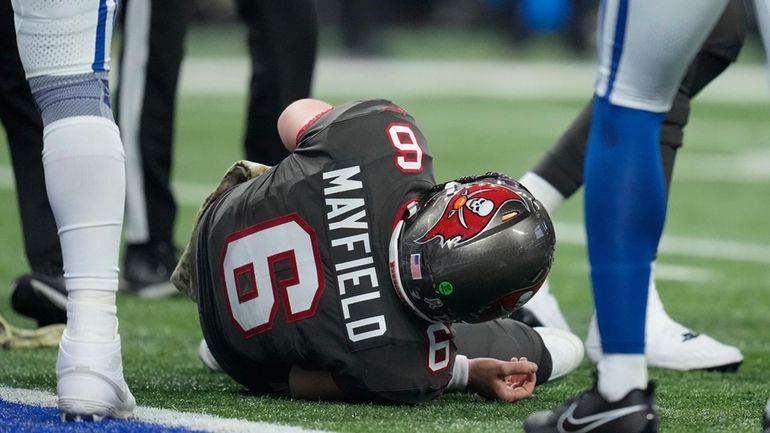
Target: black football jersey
[292, 267]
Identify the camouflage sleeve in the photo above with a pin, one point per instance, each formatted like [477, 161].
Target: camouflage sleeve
[239, 172]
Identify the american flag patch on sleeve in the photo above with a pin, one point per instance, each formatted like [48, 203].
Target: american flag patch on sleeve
[414, 266]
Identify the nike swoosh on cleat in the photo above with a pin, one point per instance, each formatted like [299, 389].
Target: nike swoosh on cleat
[689, 336]
[120, 391]
[569, 424]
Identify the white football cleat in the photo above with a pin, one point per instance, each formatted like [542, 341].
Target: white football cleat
[565, 348]
[204, 354]
[89, 381]
[545, 309]
[673, 346]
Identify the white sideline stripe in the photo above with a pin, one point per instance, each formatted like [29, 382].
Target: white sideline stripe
[747, 166]
[192, 195]
[170, 418]
[351, 78]
[685, 274]
[572, 233]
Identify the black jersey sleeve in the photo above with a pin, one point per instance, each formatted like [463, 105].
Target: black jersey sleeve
[409, 371]
[371, 129]
[311, 135]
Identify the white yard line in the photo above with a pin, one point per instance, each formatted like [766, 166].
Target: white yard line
[192, 195]
[685, 246]
[684, 274]
[748, 165]
[364, 78]
[165, 417]
[392, 78]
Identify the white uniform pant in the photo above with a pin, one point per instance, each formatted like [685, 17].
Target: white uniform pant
[69, 37]
[645, 47]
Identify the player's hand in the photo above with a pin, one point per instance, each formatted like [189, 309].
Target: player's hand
[502, 380]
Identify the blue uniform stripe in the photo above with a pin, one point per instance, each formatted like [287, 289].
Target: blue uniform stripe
[25, 418]
[617, 46]
[101, 38]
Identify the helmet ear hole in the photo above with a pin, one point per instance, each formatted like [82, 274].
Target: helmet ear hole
[487, 238]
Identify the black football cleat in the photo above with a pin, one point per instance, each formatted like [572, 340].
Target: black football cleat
[589, 412]
[147, 270]
[40, 297]
[527, 317]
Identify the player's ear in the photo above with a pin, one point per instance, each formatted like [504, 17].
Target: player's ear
[297, 117]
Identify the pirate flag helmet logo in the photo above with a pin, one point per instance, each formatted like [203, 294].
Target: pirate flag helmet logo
[487, 238]
[470, 210]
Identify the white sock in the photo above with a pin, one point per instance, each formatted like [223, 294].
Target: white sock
[655, 309]
[545, 307]
[549, 196]
[544, 302]
[91, 315]
[619, 374]
[85, 178]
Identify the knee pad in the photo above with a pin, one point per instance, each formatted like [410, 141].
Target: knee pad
[62, 96]
[729, 33]
[672, 129]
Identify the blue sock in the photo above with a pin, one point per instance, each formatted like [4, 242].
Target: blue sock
[625, 207]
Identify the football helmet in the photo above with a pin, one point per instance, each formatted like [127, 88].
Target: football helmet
[472, 250]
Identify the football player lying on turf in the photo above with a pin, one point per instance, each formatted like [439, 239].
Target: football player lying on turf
[337, 273]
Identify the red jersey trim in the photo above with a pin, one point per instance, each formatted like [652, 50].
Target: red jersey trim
[310, 123]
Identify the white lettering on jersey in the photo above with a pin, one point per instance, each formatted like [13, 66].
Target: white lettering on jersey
[355, 277]
[358, 286]
[341, 178]
[348, 241]
[340, 206]
[351, 222]
[355, 327]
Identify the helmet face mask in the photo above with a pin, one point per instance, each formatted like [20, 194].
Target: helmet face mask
[475, 250]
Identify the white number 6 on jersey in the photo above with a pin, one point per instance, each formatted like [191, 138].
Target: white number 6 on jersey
[247, 268]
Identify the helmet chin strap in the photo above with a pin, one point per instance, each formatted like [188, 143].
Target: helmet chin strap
[395, 272]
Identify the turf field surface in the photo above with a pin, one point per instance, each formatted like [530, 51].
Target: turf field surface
[714, 266]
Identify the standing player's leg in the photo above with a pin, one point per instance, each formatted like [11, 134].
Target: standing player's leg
[64, 47]
[282, 44]
[559, 174]
[153, 47]
[625, 198]
[39, 294]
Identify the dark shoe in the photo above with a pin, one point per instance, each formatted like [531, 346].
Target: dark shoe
[147, 270]
[40, 297]
[527, 317]
[766, 420]
[589, 412]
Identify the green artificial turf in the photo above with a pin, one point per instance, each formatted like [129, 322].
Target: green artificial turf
[712, 200]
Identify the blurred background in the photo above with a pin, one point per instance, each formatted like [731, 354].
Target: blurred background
[501, 29]
[479, 48]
